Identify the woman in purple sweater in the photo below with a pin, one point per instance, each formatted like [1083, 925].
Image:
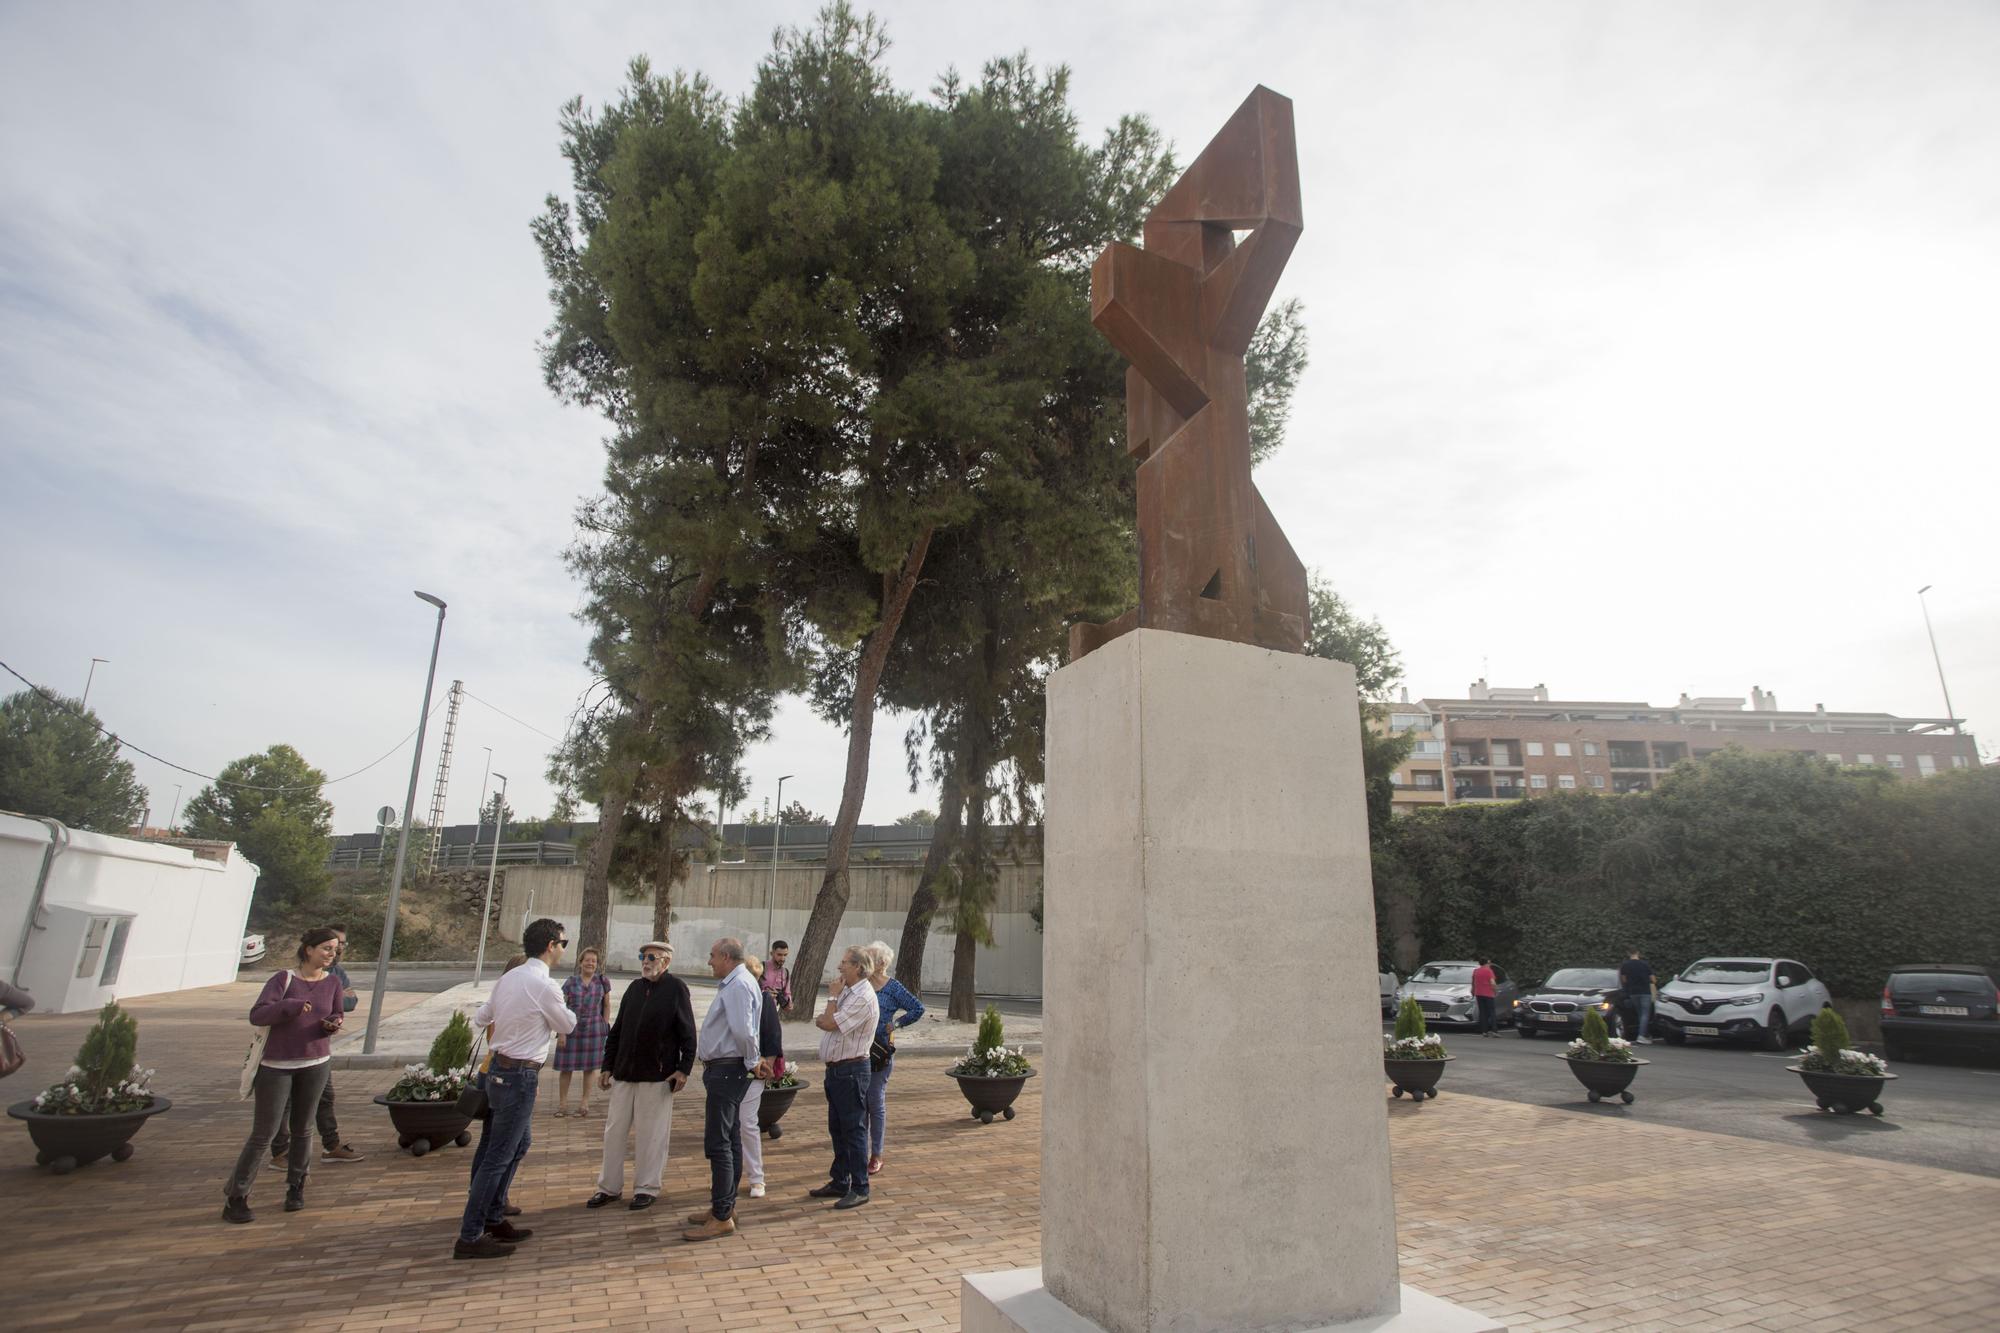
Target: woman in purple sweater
[301, 1007]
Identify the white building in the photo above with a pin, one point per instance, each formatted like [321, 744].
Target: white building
[86, 918]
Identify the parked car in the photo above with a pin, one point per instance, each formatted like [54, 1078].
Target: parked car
[1766, 1000]
[1386, 975]
[253, 950]
[1444, 993]
[1559, 1004]
[1940, 1005]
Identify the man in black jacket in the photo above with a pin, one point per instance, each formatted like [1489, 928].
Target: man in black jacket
[647, 1058]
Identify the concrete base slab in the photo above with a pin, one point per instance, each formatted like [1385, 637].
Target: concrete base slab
[1015, 1301]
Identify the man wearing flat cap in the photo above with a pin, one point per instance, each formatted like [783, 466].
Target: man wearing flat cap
[647, 1059]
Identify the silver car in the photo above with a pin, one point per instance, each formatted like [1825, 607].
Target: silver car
[1444, 992]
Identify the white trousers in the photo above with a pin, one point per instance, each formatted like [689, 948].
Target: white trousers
[749, 1136]
[645, 1111]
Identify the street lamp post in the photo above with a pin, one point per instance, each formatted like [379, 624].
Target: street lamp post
[92, 676]
[486, 914]
[177, 807]
[777, 836]
[1956, 730]
[403, 839]
[479, 818]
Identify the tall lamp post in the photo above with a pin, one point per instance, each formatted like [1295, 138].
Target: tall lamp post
[403, 839]
[1956, 730]
[479, 820]
[777, 836]
[499, 826]
[92, 676]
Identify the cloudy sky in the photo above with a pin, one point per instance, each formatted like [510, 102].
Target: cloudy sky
[1654, 348]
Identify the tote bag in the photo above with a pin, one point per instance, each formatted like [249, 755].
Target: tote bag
[255, 1056]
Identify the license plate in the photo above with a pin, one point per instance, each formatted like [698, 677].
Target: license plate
[1558, 1019]
[1955, 1010]
[1694, 1031]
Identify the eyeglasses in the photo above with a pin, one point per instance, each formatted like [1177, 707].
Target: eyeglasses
[563, 943]
[652, 957]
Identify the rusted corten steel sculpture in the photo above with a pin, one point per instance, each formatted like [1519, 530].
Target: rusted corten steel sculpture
[1212, 560]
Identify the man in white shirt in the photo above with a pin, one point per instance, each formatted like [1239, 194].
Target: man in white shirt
[729, 1058]
[849, 1024]
[527, 1013]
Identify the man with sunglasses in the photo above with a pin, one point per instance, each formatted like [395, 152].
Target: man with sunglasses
[647, 1059]
[527, 1013]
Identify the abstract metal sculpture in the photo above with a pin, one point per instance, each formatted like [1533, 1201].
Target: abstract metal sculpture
[1212, 560]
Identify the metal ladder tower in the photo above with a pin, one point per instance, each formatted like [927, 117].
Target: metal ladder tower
[443, 778]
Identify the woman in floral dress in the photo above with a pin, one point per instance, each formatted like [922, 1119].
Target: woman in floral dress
[588, 994]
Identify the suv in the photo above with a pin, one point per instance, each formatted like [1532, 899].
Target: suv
[1444, 993]
[1940, 1004]
[1766, 1000]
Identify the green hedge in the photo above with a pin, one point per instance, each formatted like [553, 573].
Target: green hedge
[1850, 872]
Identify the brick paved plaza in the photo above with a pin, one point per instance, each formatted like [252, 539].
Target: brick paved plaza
[1546, 1218]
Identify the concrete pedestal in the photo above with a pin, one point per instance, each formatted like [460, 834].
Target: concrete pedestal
[1017, 1302]
[1215, 1150]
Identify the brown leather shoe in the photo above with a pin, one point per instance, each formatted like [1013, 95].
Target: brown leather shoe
[710, 1229]
[696, 1219]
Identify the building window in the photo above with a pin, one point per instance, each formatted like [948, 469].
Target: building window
[1534, 749]
[1538, 782]
[1926, 765]
[1590, 748]
[1401, 722]
[1864, 759]
[1429, 780]
[1567, 782]
[1562, 749]
[1895, 760]
[1958, 761]
[1597, 781]
[1833, 759]
[1428, 749]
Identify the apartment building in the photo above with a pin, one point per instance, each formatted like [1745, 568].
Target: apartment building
[1501, 744]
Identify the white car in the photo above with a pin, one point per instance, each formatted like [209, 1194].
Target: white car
[1765, 1000]
[253, 950]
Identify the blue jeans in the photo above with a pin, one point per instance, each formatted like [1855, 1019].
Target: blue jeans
[510, 1093]
[1642, 1009]
[725, 1082]
[847, 1122]
[878, 1105]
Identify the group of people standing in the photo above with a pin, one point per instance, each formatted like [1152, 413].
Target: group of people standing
[639, 1059]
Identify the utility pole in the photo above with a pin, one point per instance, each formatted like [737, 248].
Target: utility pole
[91, 677]
[443, 782]
[492, 866]
[777, 837]
[177, 807]
[1956, 729]
[479, 821]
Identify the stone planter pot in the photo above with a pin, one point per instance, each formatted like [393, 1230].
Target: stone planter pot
[1844, 1094]
[1418, 1078]
[65, 1142]
[992, 1096]
[422, 1126]
[1606, 1078]
[772, 1108]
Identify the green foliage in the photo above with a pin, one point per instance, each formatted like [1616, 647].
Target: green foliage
[1775, 854]
[989, 1030]
[1271, 368]
[1410, 1019]
[796, 813]
[1829, 1034]
[108, 1050]
[452, 1048]
[1595, 1034]
[55, 762]
[919, 818]
[1341, 634]
[270, 806]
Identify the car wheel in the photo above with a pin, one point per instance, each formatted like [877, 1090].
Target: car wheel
[1523, 1030]
[1674, 1036]
[1775, 1036]
[1893, 1050]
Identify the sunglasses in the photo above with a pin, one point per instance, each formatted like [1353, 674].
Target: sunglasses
[654, 957]
[563, 943]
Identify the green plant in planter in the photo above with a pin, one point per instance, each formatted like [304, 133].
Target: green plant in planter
[445, 1072]
[1597, 1043]
[1830, 1053]
[988, 1057]
[101, 1081]
[1413, 1039]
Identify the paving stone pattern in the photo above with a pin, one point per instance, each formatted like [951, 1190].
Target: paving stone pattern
[1542, 1217]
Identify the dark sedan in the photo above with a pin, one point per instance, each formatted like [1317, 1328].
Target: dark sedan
[1558, 1005]
[1939, 1006]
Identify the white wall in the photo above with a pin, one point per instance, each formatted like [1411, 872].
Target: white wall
[735, 900]
[188, 913]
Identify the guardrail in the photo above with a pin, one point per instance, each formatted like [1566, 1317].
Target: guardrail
[459, 856]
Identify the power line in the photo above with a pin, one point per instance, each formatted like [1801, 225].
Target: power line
[511, 718]
[62, 703]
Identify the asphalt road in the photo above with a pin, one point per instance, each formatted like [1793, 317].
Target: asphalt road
[1935, 1114]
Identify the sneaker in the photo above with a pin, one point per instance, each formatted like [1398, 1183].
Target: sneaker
[486, 1247]
[236, 1208]
[341, 1153]
[852, 1199]
[507, 1231]
[756, 1191]
[1645, 1041]
[696, 1219]
[711, 1229]
[295, 1199]
[279, 1162]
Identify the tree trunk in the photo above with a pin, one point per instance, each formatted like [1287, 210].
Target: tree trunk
[924, 902]
[964, 1006]
[831, 901]
[663, 887]
[594, 922]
